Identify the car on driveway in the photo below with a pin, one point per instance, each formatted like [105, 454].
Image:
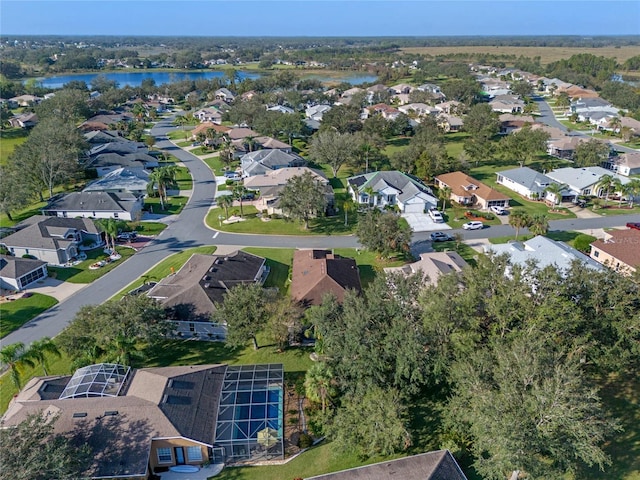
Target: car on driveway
[498, 210]
[436, 216]
[440, 237]
[473, 226]
[634, 225]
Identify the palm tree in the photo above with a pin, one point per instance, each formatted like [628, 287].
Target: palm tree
[563, 100]
[239, 191]
[444, 194]
[606, 183]
[110, 227]
[555, 189]
[347, 205]
[123, 349]
[15, 358]
[156, 180]
[38, 351]
[615, 124]
[251, 143]
[371, 195]
[631, 190]
[318, 384]
[539, 224]
[518, 220]
[225, 201]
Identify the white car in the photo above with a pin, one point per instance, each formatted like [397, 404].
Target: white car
[436, 216]
[498, 210]
[473, 226]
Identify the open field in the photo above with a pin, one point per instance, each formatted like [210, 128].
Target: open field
[546, 54]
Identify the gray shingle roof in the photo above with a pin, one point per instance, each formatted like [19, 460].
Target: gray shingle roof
[527, 177]
[44, 232]
[12, 267]
[93, 202]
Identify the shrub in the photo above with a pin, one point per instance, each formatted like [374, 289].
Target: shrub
[305, 440]
[29, 256]
[583, 242]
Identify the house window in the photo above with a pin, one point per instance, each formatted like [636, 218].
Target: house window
[194, 454]
[596, 254]
[164, 455]
[587, 192]
[115, 214]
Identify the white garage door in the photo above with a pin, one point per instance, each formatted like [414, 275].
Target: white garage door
[414, 208]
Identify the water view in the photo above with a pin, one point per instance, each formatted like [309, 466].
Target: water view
[134, 79]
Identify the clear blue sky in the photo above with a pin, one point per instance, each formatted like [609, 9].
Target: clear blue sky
[320, 18]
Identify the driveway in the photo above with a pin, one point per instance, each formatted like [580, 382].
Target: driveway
[55, 288]
[421, 222]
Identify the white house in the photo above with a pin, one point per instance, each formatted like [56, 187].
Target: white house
[122, 206]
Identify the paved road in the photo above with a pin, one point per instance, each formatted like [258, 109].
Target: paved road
[188, 230]
[548, 118]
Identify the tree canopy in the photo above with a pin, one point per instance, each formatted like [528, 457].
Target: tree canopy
[303, 197]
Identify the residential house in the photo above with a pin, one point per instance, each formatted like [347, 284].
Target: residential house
[627, 164]
[191, 294]
[18, 273]
[109, 119]
[418, 110]
[225, 94]
[351, 92]
[432, 266]
[24, 120]
[543, 252]
[564, 147]
[554, 85]
[25, 100]
[273, 143]
[525, 181]
[631, 123]
[402, 88]
[507, 104]
[281, 109]
[494, 87]
[210, 115]
[120, 146]
[438, 465]
[510, 123]
[261, 162]
[391, 189]
[584, 181]
[619, 250]
[386, 111]
[468, 191]
[97, 204]
[575, 91]
[316, 273]
[53, 240]
[450, 108]
[270, 184]
[122, 180]
[98, 137]
[315, 112]
[143, 421]
[450, 123]
[109, 162]
[205, 128]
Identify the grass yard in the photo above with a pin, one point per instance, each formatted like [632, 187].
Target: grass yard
[183, 179]
[614, 209]
[215, 164]
[559, 235]
[20, 215]
[18, 312]
[9, 140]
[465, 251]
[162, 269]
[150, 229]
[172, 206]
[252, 224]
[81, 272]
[279, 261]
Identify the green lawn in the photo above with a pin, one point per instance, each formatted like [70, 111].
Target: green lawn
[214, 164]
[18, 312]
[558, 235]
[454, 143]
[81, 272]
[279, 261]
[147, 228]
[164, 268]
[20, 215]
[464, 250]
[613, 208]
[172, 206]
[183, 179]
[9, 140]
[252, 224]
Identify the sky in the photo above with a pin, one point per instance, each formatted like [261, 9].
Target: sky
[320, 18]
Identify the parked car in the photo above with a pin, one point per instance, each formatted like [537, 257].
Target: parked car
[440, 237]
[126, 236]
[473, 225]
[232, 175]
[436, 216]
[498, 210]
[248, 196]
[634, 225]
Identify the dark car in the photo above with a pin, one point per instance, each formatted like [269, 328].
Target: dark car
[634, 225]
[440, 237]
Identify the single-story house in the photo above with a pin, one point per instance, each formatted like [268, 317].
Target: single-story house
[451, 107]
[627, 164]
[97, 204]
[119, 146]
[270, 184]
[564, 147]
[525, 181]
[122, 180]
[510, 123]
[418, 109]
[401, 88]
[386, 111]
[190, 294]
[25, 100]
[281, 109]
[18, 273]
[619, 250]
[543, 251]
[53, 240]
[317, 272]
[96, 137]
[439, 465]
[262, 162]
[225, 94]
[143, 421]
[584, 181]
[391, 188]
[106, 163]
[466, 190]
[432, 266]
[24, 120]
[507, 104]
[315, 112]
[450, 123]
[212, 115]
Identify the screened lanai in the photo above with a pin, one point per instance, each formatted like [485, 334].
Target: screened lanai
[100, 380]
[250, 414]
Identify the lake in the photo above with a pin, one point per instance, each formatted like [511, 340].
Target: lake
[134, 79]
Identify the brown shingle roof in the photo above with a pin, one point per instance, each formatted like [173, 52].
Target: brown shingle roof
[459, 182]
[624, 245]
[317, 272]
